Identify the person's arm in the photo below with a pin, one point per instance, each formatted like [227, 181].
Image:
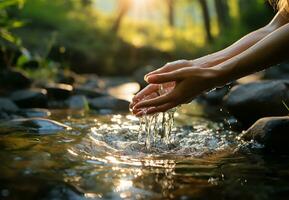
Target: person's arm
[270, 50]
[242, 44]
[193, 81]
[229, 52]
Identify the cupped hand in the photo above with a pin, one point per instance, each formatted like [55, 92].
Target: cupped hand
[190, 82]
[150, 92]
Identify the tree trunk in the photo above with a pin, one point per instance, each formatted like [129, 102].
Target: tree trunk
[123, 8]
[171, 12]
[206, 17]
[223, 16]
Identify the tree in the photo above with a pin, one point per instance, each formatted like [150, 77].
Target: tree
[123, 8]
[206, 17]
[223, 15]
[171, 12]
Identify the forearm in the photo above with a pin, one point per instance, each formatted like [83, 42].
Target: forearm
[233, 50]
[270, 50]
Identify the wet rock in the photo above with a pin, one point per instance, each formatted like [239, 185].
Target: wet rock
[59, 91]
[252, 101]
[33, 125]
[280, 71]
[78, 102]
[140, 73]
[91, 93]
[34, 112]
[7, 105]
[10, 79]
[109, 102]
[30, 98]
[216, 96]
[59, 191]
[272, 132]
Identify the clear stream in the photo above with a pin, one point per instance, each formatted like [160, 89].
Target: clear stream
[105, 157]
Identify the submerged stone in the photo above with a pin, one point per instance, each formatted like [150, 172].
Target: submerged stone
[272, 132]
[33, 125]
[252, 101]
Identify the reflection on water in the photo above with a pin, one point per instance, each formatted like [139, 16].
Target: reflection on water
[101, 158]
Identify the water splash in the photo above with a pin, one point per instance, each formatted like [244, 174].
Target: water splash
[157, 128]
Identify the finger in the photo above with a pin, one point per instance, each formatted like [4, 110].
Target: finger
[171, 66]
[162, 108]
[168, 77]
[146, 91]
[149, 92]
[155, 101]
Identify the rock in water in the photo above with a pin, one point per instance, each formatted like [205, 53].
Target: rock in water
[33, 125]
[78, 102]
[30, 98]
[59, 91]
[108, 102]
[7, 105]
[272, 132]
[91, 93]
[34, 112]
[252, 101]
[280, 71]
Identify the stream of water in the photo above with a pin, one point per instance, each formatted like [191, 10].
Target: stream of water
[105, 157]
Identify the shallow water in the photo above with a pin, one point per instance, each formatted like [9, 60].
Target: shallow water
[101, 158]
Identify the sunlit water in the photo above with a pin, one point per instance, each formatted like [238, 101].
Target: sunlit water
[105, 157]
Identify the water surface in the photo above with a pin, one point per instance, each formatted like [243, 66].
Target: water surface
[101, 158]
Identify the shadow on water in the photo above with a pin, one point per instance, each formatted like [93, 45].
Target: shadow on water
[101, 158]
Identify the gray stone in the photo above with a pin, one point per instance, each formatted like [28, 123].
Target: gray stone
[109, 102]
[33, 125]
[252, 101]
[78, 102]
[280, 71]
[30, 98]
[272, 132]
[59, 91]
[216, 96]
[7, 105]
[91, 93]
[34, 112]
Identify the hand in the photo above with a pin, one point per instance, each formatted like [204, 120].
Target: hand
[189, 83]
[150, 92]
[172, 66]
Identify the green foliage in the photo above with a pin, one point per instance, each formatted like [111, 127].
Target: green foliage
[76, 35]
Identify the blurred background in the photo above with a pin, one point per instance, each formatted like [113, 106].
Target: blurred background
[117, 37]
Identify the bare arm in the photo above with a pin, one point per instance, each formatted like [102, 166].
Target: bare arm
[242, 44]
[270, 50]
[229, 52]
[192, 81]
